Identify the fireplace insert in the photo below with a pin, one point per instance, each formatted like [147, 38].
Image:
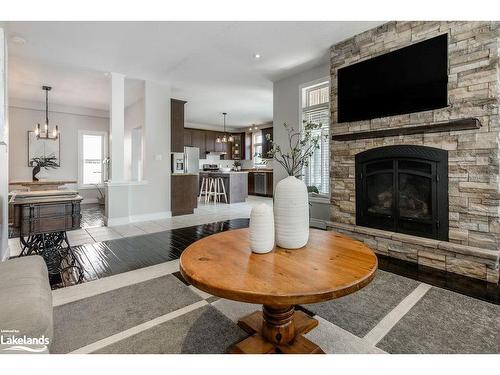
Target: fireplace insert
[404, 189]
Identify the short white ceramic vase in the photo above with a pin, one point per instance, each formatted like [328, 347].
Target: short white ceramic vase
[291, 213]
[261, 229]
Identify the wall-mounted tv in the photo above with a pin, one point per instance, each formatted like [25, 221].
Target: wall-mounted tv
[410, 79]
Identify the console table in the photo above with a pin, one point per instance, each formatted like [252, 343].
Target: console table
[43, 217]
[330, 266]
[41, 185]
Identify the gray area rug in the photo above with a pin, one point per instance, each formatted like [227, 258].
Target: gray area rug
[446, 322]
[441, 322]
[359, 312]
[91, 319]
[204, 330]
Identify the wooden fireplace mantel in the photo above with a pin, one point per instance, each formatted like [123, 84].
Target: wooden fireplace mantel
[452, 125]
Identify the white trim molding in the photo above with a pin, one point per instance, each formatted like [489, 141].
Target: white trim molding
[81, 133]
[126, 183]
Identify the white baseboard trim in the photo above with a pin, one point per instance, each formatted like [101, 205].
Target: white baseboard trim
[317, 223]
[89, 201]
[114, 221]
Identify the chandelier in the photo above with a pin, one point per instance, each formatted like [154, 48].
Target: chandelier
[45, 134]
[225, 138]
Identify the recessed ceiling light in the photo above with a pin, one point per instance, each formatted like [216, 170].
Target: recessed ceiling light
[19, 40]
[256, 56]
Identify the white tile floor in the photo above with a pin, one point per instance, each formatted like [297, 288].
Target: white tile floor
[205, 213]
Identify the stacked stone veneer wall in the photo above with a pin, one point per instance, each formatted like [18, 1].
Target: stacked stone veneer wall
[474, 194]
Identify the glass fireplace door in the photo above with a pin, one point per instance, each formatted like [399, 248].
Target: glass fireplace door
[403, 189]
[416, 197]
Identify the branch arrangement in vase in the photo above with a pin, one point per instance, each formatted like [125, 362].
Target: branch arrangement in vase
[46, 162]
[302, 145]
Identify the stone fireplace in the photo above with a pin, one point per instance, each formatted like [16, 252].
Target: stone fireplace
[433, 176]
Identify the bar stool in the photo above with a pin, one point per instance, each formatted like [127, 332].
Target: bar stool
[211, 194]
[220, 190]
[204, 185]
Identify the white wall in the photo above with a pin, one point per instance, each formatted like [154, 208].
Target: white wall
[23, 119]
[134, 118]
[286, 107]
[153, 199]
[4, 156]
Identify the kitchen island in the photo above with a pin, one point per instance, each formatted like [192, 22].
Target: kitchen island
[235, 183]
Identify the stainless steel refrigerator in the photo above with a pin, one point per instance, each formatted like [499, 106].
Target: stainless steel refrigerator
[191, 159]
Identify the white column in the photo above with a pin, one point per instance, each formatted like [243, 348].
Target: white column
[117, 127]
[117, 192]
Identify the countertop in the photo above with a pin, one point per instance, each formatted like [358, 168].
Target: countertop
[42, 182]
[184, 174]
[265, 170]
[220, 172]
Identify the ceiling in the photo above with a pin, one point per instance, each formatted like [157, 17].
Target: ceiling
[209, 64]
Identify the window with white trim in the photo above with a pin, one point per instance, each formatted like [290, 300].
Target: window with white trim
[257, 148]
[316, 109]
[91, 154]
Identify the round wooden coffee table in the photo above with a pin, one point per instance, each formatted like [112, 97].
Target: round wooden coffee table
[330, 266]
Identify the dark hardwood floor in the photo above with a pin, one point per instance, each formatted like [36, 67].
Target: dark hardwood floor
[113, 257]
[92, 215]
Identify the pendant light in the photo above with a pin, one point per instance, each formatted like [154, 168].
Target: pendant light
[225, 138]
[230, 138]
[46, 134]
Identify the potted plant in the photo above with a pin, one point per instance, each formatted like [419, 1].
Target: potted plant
[101, 199]
[45, 162]
[312, 189]
[291, 205]
[237, 165]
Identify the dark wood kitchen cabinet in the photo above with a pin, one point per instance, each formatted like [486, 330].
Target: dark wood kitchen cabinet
[238, 147]
[269, 184]
[219, 146]
[188, 137]
[243, 147]
[228, 149]
[205, 141]
[210, 141]
[267, 144]
[184, 194]
[177, 125]
[223, 147]
[198, 140]
[251, 183]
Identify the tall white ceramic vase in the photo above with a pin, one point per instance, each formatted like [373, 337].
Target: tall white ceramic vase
[291, 213]
[261, 229]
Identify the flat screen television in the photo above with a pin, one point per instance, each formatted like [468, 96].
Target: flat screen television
[410, 79]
